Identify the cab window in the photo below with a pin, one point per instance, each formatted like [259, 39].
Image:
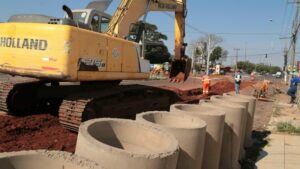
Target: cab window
[104, 24]
[79, 16]
[95, 22]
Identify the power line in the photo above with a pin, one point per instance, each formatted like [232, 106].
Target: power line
[286, 30]
[261, 54]
[187, 24]
[284, 17]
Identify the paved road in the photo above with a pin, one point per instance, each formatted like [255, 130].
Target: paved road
[282, 152]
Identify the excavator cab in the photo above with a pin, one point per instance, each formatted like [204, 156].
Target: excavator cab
[136, 32]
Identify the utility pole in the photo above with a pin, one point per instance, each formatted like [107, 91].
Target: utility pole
[208, 55]
[294, 35]
[245, 51]
[285, 56]
[236, 58]
[285, 59]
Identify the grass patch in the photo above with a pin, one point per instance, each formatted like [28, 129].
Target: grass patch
[287, 127]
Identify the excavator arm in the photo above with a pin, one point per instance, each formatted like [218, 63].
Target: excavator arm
[130, 11]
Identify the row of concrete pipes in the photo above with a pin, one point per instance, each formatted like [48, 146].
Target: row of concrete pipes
[208, 135]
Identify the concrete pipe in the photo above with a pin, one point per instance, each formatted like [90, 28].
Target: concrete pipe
[214, 131]
[43, 159]
[250, 119]
[245, 104]
[233, 132]
[127, 144]
[190, 132]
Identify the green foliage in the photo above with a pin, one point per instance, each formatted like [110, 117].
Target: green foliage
[287, 127]
[152, 35]
[197, 67]
[216, 54]
[274, 69]
[262, 68]
[246, 66]
[156, 51]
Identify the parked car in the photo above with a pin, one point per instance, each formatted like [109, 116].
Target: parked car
[278, 74]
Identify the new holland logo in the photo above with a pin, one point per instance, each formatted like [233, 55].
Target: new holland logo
[24, 43]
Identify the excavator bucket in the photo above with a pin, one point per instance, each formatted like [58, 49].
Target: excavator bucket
[180, 70]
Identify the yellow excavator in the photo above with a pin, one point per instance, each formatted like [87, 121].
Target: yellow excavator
[78, 61]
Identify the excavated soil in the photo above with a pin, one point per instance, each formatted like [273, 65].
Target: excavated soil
[226, 86]
[34, 132]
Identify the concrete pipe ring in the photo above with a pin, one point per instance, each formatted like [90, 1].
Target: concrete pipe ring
[189, 130]
[251, 109]
[234, 130]
[127, 144]
[43, 159]
[214, 130]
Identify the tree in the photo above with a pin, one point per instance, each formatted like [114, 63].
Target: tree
[155, 51]
[262, 68]
[218, 54]
[199, 49]
[246, 66]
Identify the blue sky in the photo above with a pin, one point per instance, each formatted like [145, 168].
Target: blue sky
[241, 23]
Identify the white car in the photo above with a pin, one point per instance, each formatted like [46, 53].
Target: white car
[278, 75]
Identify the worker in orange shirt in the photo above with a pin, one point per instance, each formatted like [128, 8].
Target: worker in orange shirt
[205, 84]
[264, 87]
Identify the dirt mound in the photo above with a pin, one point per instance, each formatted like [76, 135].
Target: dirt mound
[222, 87]
[34, 132]
[226, 86]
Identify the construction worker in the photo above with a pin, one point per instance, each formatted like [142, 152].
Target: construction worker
[237, 81]
[205, 84]
[264, 87]
[293, 88]
[252, 75]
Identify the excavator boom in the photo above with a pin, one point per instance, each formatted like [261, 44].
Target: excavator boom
[129, 12]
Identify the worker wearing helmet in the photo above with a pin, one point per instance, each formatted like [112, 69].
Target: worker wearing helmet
[205, 84]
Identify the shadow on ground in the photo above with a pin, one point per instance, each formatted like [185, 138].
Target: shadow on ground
[253, 153]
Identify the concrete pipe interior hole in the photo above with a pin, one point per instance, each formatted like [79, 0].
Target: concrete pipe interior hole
[171, 120]
[131, 137]
[35, 162]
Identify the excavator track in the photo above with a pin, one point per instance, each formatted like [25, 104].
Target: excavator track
[5, 88]
[70, 113]
[119, 102]
[13, 99]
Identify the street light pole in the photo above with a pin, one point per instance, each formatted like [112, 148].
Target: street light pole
[236, 58]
